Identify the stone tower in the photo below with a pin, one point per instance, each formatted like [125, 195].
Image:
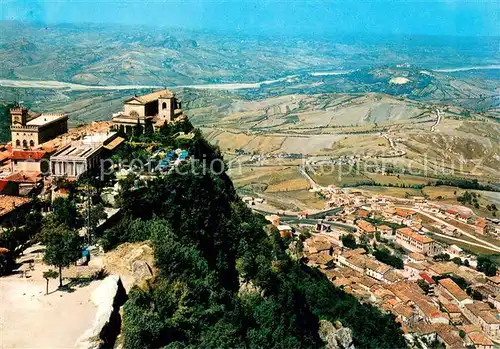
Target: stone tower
[165, 108]
[19, 116]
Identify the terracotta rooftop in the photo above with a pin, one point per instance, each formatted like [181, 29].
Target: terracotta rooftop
[490, 316]
[470, 328]
[429, 309]
[481, 224]
[28, 154]
[4, 155]
[363, 213]
[427, 278]
[403, 310]
[423, 328]
[417, 256]
[415, 236]
[393, 276]
[356, 251]
[451, 308]
[450, 336]
[479, 338]
[377, 266]
[453, 289]
[366, 226]
[24, 177]
[153, 96]
[383, 228]
[443, 268]
[9, 203]
[494, 279]
[402, 212]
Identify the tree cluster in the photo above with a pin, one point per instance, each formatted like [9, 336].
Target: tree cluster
[487, 265]
[384, 255]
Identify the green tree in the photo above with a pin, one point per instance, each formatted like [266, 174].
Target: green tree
[6, 261]
[138, 129]
[63, 247]
[349, 241]
[486, 265]
[148, 128]
[47, 275]
[65, 212]
[423, 285]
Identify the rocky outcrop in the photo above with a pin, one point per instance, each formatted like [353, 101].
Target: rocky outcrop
[141, 271]
[336, 336]
[108, 297]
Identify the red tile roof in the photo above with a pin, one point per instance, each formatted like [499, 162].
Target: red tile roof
[3, 184]
[404, 212]
[366, 226]
[9, 203]
[427, 278]
[415, 236]
[453, 289]
[27, 154]
[23, 177]
[363, 213]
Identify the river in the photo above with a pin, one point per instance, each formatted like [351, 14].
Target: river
[52, 84]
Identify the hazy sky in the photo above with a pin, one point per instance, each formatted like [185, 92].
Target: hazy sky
[444, 17]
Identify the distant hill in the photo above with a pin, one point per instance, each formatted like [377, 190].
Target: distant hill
[106, 55]
[412, 82]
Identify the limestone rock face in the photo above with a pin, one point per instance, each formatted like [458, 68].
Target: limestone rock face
[141, 270]
[107, 297]
[336, 337]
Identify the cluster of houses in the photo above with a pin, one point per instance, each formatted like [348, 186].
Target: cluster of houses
[423, 296]
[440, 315]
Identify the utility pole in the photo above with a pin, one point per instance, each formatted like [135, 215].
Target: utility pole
[88, 194]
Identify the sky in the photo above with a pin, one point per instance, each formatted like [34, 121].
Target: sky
[295, 17]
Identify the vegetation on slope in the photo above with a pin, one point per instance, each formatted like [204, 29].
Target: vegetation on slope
[224, 280]
[5, 122]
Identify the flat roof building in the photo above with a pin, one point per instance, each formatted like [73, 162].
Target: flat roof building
[76, 158]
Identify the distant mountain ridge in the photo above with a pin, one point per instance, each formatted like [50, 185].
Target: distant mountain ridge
[103, 55]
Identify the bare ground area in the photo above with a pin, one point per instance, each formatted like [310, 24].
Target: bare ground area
[31, 319]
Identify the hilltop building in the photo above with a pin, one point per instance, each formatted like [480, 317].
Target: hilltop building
[156, 108]
[28, 131]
